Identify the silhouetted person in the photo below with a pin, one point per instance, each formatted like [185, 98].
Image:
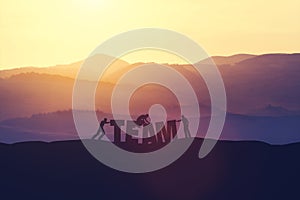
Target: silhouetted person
[142, 120]
[101, 130]
[185, 122]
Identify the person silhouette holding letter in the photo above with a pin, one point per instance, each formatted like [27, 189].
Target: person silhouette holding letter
[185, 122]
[142, 120]
[101, 130]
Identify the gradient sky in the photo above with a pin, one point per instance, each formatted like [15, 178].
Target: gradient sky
[44, 33]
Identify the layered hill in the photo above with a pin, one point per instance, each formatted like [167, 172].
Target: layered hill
[262, 98]
[251, 85]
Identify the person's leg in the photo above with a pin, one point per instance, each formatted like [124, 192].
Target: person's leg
[102, 134]
[98, 132]
[189, 133]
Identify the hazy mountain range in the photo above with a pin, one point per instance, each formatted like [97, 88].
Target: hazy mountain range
[262, 95]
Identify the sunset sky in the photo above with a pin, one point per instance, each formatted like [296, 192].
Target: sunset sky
[45, 33]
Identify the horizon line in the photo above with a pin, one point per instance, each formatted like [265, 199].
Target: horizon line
[3, 68]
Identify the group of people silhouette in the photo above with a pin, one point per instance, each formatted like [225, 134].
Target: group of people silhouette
[141, 121]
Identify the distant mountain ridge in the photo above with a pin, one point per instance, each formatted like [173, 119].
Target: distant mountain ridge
[228, 60]
[271, 59]
[70, 70]
[250, 84]
[66, 70]
[261, 91]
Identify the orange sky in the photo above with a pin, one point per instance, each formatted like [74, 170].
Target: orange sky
[43, 33]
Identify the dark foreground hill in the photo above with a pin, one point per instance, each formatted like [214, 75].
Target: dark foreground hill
[233, 170]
